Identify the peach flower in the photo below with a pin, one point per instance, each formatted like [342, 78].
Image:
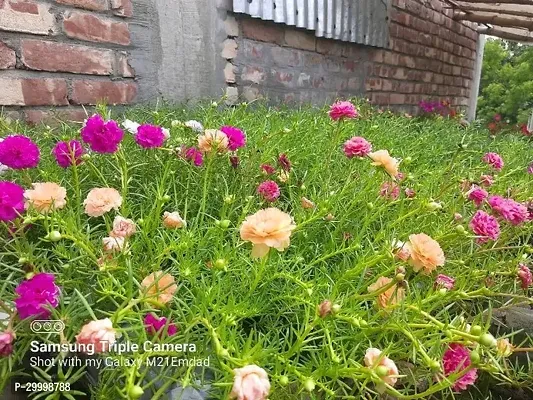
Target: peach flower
[400, 250]
[391, 296]
[123, 227]
[306, 203]
[426, 254]
[101, 200]
[113, 244]
[267, 228]
[160, 286]
[250, 383]
[213, 140]
[381, 158]
[46, 196]
[99, 333]
[173, 220]
[374, 358]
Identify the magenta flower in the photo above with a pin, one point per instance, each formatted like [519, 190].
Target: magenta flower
[525, 276]
[389, 190]
[342, 110]
[155, 326]
[444, 281]
[149, 136]
[235, 161]
[494, 160]
[11, 201]
[236, 137]
[36, 293]
[284, 162]
[6, 343]
[19, 152]
[486, 180]
[357, 147]
[477, 195]
[194, 155]
[102, 136]
[456, 359]
[68, 153]
[510, 210]
[485, 226]
[530, 169]
[410, 193]
[268, 169]
[269, 190]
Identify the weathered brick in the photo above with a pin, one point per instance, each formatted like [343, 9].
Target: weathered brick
[54, 57]
[94, 5]
[229, 73]
[7, 57]
[251, 93]
[263, 31]
[253, 74]
[300, 39]
[329, 47]
[33, 92]
[232, 95]
[397, 98]
[304, 80]
[122, 8]
[91, 92]
[284, 78]
[55, 117]
[38, 21]
[284, 57]
[124, 68]
[96, 29]
[231, 26]
[229, 49]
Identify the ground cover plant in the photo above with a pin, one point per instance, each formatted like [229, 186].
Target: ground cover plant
[263, 253]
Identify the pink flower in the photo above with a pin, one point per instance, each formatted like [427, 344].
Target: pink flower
[123, 227]
[357, 147]
[102, 136]
[456, 359]
[486, 180]
[444, 281]
[341, 110]
[68, 153]
[19, 152]
[158, 326]
[374, 358]
[6, 343]
[269, 190]
[35, 294]
[99, 333]
[284, 162]
[457, 217]
[494, 160]
[525, 276]
[250, 383]
[150, 136]
[530, 169]
[390, 190]
[477, 195]
[236, 137]
[194, 155]
[11, 201]
[485, 226]
[268, 169]
[410, 193]
[510, 210]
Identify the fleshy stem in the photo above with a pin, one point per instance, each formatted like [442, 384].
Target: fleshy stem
[210, 158]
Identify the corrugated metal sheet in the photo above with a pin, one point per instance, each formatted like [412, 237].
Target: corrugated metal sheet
[357, 21]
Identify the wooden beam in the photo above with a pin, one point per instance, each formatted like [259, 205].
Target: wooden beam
[502, 11]
[501, 33]
[496, 2]
[494, 19]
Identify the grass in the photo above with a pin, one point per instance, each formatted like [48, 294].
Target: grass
[264, 312]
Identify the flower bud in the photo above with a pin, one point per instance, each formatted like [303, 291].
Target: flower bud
[336, 359]
[407, 160]
[434, 365]
[283, 380]
[6, 343]
[135, 392]
[382, 370]
[23, 260]
[370, 205]
[223, 353]
[474, 357]
[324, 309]
[85, 157]
[400, 270]
[335, 308]
[329, 217]
[54, 236]
[309, 384]
[434, 206]
[487, 340]
[165, 198]
[400, 277]
[476, 330]
[460, 229]
[220, 263]
[443, 291]
[225, 223]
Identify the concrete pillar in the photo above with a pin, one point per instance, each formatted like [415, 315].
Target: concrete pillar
[474, 90]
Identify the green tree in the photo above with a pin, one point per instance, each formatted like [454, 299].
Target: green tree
[506, 81]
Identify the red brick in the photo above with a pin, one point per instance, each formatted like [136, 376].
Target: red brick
[44, 92]
[51, 56]
[94, 5]
[54, 118]
[92, 92]
[7, 57]
[124, 68]
[262, 31]
[122, 8]
[96, 29]
[24, 6]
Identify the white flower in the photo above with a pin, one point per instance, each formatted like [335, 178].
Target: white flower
[3, 168]
[195, 126]
[130, 126]
[112, 244]
[166, 132]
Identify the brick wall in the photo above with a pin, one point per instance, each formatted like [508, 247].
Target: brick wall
[64, 53]
[430, 56]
